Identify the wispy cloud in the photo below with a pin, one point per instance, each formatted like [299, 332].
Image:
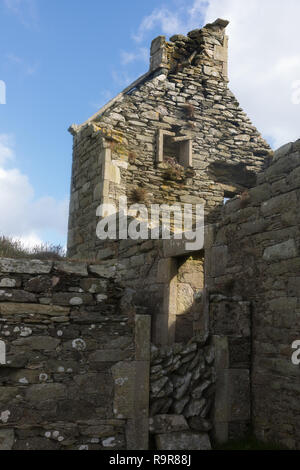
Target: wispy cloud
[6, 148]
[28, 69]
[180, 17]
[25, 11]
[168, 21]
[142, 54]
[121, 78]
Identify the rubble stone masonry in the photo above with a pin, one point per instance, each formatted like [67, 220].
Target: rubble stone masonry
[197, 341]
[252, 276]
[180, 111]
[77, 367]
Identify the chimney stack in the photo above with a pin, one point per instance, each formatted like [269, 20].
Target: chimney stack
[206, 48]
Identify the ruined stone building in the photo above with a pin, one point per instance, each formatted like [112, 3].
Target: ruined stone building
[137, 344]
[181, 110]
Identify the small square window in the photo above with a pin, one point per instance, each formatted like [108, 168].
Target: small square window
[178, 148]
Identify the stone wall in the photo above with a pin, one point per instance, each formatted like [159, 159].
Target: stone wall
[182, 395]
[77, 364]
[252, 276]
[163, 281]
[124, 147]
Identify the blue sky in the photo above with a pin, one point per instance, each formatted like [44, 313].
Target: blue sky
[62, 60]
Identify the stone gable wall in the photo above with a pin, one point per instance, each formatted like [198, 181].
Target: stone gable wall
[116, 151]
[252, 276]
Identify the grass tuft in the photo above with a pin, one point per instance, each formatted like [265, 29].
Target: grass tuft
[14, 248]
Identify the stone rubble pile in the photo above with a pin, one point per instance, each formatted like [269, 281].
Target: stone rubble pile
[181, 394]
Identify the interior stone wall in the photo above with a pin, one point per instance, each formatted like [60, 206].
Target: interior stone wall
[190, 287]
[252, 278]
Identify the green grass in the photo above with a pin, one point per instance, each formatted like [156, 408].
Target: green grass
[12, 248]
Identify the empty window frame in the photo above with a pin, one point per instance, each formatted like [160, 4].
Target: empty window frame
[179, 148]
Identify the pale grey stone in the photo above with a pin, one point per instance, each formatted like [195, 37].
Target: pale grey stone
[25, 266]
[281, 251]
[69, 267]
[194, 408]
[7, 439]
[6, 282]
[183, 441]
[42, 392]
[38, 343]
[165, 423]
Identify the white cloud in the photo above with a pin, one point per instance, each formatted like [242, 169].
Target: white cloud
[6, 152]
[264, 55]
[168, 21]
[141, 54]
[179, 18]
[122, 78]
[21, 214]
[24, 10]
[28, 69]
[29, 241]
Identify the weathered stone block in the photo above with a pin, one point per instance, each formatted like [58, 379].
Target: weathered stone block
[33, 309]
[166, 269]
[161, 424]
[199, 424]
[230, 318]
[17, 296]
[281, 251]
[142, 337]
[185, 298]
[219, 256]
[194, 408]
[157, 43]
[46, 343]
[109, 355]
[294, 286]
[106, 271]
[94, 285]
[74, 299]
[238, 394]
[279, 204]
[124, 378]
[24, 266]
[8, 282]
[7, 439]
[42, 392]
[283, 151]
[8, 393]
[183, 441]
[40, 284]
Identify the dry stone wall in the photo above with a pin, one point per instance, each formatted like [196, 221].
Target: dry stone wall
[182, 395]
[77, 364]
[252, 269]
